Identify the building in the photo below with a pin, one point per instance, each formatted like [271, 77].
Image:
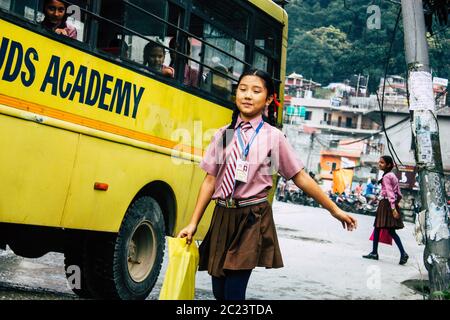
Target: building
[395, 93]
[317, 128]
[298, 87]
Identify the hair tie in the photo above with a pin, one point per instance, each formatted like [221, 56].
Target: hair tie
[277, 103]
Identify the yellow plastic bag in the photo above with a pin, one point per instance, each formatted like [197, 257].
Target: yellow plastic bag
[179, 281]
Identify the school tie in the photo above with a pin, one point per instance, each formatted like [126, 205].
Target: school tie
[236, 152]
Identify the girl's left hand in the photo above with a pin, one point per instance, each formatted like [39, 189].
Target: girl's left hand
[347, 221]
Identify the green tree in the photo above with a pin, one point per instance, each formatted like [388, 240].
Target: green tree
[330, 41]
[315, 53]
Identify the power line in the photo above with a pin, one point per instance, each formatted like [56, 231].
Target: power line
[394, 2]
[381, 106]
[378, 132]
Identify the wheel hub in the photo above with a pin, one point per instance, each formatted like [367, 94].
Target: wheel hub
[141, 252]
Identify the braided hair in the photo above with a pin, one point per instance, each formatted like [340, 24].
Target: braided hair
[270, 119]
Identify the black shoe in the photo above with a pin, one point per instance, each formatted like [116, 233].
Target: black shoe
[404, 259]
[373, 256]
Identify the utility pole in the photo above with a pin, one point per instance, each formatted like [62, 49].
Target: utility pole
[367, 85]
[425, 131]
[311, 146]
[357, 85]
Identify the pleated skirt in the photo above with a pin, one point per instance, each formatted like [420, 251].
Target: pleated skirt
[240, 239]
[384, 217]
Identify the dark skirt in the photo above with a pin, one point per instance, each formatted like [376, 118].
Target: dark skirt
[240, 239]
[385, 219]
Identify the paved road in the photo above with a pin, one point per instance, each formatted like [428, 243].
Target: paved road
[322, 261]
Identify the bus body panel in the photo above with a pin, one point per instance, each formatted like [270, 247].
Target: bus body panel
[35, 178]
[102, 161]
[271, 8]
[55, 187]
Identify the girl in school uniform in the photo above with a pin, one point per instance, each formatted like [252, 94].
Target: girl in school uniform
[388, 212]
[154, 55]
[56, 18]
[239, 164]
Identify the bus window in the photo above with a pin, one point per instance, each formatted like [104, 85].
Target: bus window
[267, 44]
[24, 8]
[228, 13]
[5, 4]
[229, 45]
[267, 36]
[33, 10]
[222, 55]
[110, 37]
[154, 56]
[139, 19]
[180, 48]
[74, 26]
[190, 69]
[263, 62]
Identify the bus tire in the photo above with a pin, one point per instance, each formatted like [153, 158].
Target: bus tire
[139, 249]
[126, 266]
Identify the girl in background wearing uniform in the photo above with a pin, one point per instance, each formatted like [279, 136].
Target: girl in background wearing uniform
[239, 164]
[388, 212]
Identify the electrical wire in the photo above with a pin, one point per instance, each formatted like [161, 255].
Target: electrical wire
[381, 105]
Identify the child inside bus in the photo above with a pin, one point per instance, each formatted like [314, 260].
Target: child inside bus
[154, 55]
[56, 18]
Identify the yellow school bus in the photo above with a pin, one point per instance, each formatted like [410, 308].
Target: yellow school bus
[99, 149]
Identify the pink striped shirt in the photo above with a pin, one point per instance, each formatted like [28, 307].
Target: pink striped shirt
[390, 189]
[270, 153]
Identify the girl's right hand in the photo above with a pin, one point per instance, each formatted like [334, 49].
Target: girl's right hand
[188, 232]
[61, 31]
[395, 214]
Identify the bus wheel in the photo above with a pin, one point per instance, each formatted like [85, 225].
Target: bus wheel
[126, 265]
[139, 249]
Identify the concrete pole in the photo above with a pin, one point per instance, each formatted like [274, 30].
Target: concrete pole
[357, 85]
[311, 147]
[428, 153]
[367, 86]
[359, 122]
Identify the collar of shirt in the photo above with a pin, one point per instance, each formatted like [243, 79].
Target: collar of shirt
[254, 122]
